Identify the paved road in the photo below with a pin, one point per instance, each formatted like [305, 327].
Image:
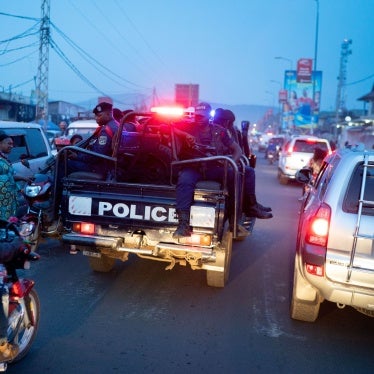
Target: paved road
[140, 318]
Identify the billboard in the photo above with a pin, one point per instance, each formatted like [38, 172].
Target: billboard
[303, 99]
[187, 95]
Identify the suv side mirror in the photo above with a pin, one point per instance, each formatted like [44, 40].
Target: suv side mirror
[304, 175]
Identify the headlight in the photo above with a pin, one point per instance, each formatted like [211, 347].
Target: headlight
[26, 228]
[32, 191]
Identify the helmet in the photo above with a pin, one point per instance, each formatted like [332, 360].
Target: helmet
[229, 115]
[219, 116]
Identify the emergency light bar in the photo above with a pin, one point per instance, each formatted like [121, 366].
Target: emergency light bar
[168, 111]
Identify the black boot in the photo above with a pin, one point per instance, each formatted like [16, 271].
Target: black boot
[252, 209]
[183, 228]
[265, 208]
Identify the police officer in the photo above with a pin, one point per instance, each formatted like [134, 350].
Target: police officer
[101, 141]
[251, 208]
[201, 132]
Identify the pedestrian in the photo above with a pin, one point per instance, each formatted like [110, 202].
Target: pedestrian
[8, 179]
[63, 126]
[76, 138]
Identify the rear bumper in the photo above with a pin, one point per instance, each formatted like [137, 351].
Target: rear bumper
[116, 244]
[345, 294]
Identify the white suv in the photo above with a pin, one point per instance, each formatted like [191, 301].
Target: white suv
[296, 154]
[334, 258]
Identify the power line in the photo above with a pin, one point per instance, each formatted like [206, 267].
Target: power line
[91, 59]
[22, 17]
[359, 81]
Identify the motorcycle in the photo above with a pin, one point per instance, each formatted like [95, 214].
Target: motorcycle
[271, 156]
[20, 300]
[37, 210]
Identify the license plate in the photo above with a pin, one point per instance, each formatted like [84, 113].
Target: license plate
[92, 254]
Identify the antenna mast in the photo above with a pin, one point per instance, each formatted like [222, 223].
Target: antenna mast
[340, 95]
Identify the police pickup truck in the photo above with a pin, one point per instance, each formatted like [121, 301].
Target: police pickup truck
[132, 208]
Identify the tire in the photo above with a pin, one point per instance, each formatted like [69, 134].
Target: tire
[302, 310]
[218, 278]
[102, 264]
[26, 334]
[282, 178]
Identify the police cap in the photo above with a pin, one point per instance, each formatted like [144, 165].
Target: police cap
[102, 107]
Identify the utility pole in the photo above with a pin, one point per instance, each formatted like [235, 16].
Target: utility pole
[41, 111]
[340, 95]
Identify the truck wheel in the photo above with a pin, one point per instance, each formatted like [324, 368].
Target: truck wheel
[218, 278]
[102, 264]
[303, 310]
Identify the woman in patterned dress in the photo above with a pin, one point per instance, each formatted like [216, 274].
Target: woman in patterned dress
[8, 186]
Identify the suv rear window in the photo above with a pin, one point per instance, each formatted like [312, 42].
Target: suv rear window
[308, 146]
[352, 196]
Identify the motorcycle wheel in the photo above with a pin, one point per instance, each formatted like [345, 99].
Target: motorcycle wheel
[25, 335]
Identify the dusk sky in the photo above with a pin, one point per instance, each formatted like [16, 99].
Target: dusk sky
[228, 47]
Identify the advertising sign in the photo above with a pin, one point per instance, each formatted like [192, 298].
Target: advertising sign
[304, 70]
[187, 95]
[302, 106]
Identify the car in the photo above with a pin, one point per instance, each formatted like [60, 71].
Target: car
[296, 154]
[32, 151]
[81, 127]
[334, 259]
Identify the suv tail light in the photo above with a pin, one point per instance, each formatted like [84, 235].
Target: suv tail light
[318, 230]
[289, 150]
[317, 235]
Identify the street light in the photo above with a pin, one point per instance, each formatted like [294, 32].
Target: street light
[316, 36]
[285, 59]
[315, 59]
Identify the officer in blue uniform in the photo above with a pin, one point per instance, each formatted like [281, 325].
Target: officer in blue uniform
[101, 141]
[201, 132]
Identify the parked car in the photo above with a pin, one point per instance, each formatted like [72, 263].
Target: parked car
[334, 258]
[32, 151]
[81, 127]
[296, 154]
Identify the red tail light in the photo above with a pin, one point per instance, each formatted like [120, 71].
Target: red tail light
[84, 228]
[318, 230]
